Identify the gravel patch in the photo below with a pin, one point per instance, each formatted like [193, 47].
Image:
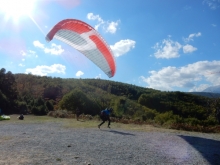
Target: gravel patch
[51, 143]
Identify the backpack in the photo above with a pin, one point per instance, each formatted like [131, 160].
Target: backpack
[21, 117]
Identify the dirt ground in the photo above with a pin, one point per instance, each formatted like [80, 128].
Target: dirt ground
[55, 141]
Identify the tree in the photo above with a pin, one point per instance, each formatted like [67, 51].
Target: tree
[76, 98]
[8, 90]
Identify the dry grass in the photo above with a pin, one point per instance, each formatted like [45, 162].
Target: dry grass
[28, 119]
[86, 123]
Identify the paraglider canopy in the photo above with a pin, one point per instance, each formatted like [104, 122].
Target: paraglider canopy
[87, 40]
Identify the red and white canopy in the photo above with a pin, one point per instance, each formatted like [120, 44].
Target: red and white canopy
[85, 39]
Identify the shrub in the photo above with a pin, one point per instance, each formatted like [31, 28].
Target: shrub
[192, 121]
[163, 117]
[49, 105]
[60, 114]
[39, 110]
[211, 121]
[22, 106]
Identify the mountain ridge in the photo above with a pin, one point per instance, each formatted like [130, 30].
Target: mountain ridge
[212, 89]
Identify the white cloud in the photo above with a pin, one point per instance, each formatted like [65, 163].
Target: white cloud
[189, 48]
[38, 44]
[28, 53]
[43, 70]
[171, 49]
[79, 73]
[108, 27]
[191, 36]
[98, 77]
[100, 21]
[91, 16]
[122, 47]
[21, 65]
[167, 49]
[54, 49]
[199, 88]
[190, 76]
[213, 4]
[112, 27]
[32, 53]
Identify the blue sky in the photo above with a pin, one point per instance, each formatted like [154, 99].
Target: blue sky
[166, 45]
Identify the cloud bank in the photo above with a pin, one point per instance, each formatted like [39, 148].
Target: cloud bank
[44, 70]
[200, 74]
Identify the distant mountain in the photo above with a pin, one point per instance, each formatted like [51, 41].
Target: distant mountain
[211, 92]
[207, 94]
[213, 89]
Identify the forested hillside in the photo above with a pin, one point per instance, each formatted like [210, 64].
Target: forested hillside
[26, 93]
